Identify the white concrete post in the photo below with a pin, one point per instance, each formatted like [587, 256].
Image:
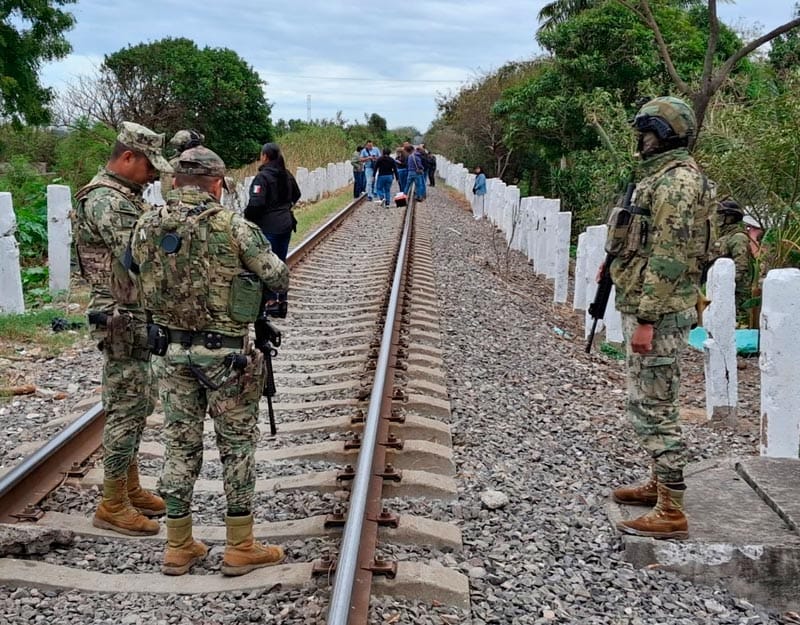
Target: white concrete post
[579, 295]
[563, 230]
[595, 255]
[719, 349]
[780, 365]
[11, 298]
[613, 319]
[59, 236]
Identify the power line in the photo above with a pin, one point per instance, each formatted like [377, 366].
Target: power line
[360, 79]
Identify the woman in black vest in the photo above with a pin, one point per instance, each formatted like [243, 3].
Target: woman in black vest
[273, 192]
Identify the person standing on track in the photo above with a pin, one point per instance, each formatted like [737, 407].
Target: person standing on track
[359, 179]
[369, 155]
[105, 215]
[273, 193]
[202, 269]
[657, 276]
[416, 173]
[385, 172]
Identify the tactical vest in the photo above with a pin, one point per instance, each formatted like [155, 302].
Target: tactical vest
[704, 230]
[190, 272]
[94, 258]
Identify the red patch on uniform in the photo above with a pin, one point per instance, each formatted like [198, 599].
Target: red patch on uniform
[256, 188]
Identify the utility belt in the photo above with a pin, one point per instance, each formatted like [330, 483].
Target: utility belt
[160, 337]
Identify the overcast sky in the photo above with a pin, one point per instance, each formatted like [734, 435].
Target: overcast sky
[357, 57]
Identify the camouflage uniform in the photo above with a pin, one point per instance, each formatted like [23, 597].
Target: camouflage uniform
[106, 212]
[658, 283]
[734, 243]
[227, 247]
[181, 140]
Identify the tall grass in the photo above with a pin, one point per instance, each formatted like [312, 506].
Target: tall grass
[311, 147]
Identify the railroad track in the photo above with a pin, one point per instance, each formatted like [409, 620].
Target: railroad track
[361, 398]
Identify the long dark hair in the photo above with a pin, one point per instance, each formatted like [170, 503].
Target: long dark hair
[273, 152]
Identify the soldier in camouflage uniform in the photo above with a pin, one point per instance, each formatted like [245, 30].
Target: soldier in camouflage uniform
[734, 243]
[107, 210]
[657, 279]
[181, 140]
[202, 271]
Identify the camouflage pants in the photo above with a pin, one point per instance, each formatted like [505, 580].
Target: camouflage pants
[128, 399]
[653, 384]
[234, 409]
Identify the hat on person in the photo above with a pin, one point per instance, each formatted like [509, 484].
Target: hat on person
[149, 143]
[751, 221]
[185, 139]
[200, 161]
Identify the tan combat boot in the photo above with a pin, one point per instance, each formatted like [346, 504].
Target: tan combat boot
[242, 552]
[638, 494]
[143, 500]
[115, 512]
[182, 550]
[666, 520]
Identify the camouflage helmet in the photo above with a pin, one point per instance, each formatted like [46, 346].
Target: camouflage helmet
[185, 139]
[667, 117]
[731, 207]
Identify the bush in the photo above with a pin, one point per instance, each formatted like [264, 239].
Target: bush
[29, 194]
[82, 151]
[34, 144]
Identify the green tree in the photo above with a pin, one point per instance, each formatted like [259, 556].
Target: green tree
[30, 34]
[172, 84]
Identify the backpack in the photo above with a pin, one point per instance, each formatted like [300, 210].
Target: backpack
[171, 247]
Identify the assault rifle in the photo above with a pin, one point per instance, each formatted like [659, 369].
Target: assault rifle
[597, 309]
[268, 338]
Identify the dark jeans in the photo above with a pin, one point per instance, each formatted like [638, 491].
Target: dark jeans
[280, 247]
[402, 177]
[432, 177]
[418, 180]
[384, 188]
[359, 183]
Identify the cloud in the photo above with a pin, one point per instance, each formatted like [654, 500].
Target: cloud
[357, 57]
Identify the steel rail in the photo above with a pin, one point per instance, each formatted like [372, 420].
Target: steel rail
[341, 607]
[29, 482]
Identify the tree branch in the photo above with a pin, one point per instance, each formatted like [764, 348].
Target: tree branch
[737, 56]
[713, 39]
[663, 50]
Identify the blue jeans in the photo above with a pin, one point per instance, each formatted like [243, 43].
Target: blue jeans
[419, 183]
[384, 186]
[359, 183]
[402, 177]
[280, 247]
[370, 174]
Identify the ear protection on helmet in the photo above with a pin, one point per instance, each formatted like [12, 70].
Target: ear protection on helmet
[658, 125]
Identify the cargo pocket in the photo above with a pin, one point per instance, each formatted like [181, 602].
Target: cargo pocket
[657, 379]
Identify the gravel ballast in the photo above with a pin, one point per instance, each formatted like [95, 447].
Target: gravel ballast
[540, 440]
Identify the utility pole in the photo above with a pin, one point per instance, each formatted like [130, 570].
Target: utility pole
[308, 108]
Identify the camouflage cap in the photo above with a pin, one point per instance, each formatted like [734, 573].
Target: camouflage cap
[181, 139]
[149, 143]
[200, 161]
[678, 115]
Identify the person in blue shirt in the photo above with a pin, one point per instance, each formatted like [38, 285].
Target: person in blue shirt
[369, 155]
[479, 190]
[416, 173]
